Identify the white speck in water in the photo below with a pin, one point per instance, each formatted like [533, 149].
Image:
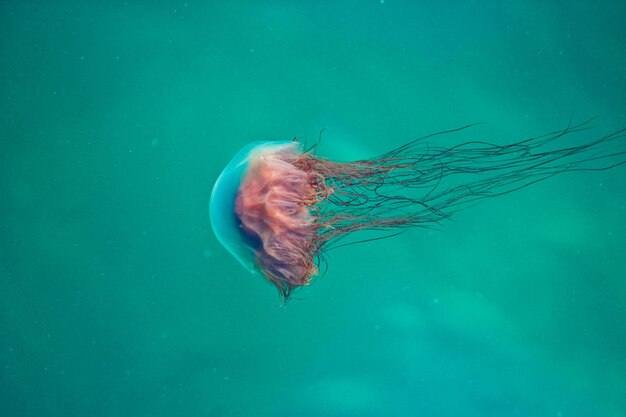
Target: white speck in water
[435, 300]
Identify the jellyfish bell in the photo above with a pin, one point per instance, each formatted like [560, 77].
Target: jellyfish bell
[260, 212]
[277, 207]
[224, 221]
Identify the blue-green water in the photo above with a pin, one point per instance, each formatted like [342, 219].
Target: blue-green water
[117, 300]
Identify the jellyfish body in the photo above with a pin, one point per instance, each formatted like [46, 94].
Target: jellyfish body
[224, 221]
[277, 207]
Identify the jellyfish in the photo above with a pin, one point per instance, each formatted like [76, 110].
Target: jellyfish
[277, 207]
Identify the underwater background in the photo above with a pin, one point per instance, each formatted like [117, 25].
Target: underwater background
[116, 299]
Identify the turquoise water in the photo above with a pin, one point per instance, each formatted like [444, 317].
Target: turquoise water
[117, 300]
